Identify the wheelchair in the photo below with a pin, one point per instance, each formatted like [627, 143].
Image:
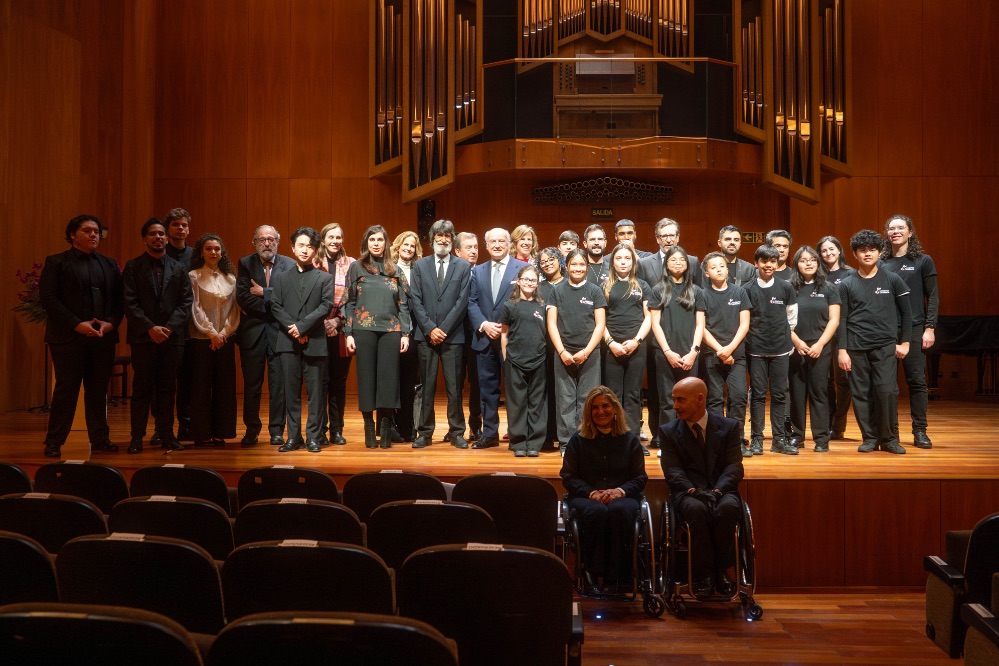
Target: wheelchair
[675, 571]
[644, 566]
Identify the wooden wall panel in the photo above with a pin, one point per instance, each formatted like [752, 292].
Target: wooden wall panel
[964, 503]
[906, 510]
[980, 32]
[224, 213]
[350, 88]
[946, 94]
[267, 203]
[310, 203]
[269, 99]
[312, 112]
[900, 108]
[867, 99]
[227, 81]
[138, 112]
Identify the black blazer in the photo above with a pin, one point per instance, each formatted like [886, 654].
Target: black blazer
[440, 306]
[685, 466]
[306, 309]
[255, 311]
[145, 308]
[606, 461]
[60, 290]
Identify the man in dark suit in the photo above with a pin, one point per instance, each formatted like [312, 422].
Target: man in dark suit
[702, 463]
[301, 299]
[439, 302]
[467, 247]
[492, 282]
[258, 333]
[178, 226]
[158, 306]
[81, 292]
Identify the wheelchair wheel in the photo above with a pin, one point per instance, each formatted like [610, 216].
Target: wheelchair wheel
[679, 607]
[753, 611]
[654, 605]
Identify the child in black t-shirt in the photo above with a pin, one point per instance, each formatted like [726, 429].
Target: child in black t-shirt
[523, 345]
[773, 315]
[831, 251]
[726, 323]
[874, 329]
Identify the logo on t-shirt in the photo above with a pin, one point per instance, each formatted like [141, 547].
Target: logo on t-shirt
[776, 301]
[882, 290]
[905, 267]
[585, 301]
[816, 294]
[537, 315]
[636, 292]
[732, 302]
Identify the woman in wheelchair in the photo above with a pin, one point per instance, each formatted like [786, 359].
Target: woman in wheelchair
[603, 473]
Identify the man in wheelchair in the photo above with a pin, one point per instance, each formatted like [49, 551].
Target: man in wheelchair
[702, 463]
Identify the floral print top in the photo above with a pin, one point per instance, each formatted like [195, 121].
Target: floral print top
[376, 301]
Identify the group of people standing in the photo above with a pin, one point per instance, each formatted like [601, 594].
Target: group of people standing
[548, 324]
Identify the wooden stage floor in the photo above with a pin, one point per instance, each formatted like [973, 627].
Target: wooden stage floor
[830, 520]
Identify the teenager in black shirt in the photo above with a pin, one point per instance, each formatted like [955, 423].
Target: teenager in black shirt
[837, 269]
[818, 320]
[870, 339]
[781, 240]
[904, 255]
[551, 267]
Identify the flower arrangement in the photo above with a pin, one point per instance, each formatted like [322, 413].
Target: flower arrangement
[30, 307]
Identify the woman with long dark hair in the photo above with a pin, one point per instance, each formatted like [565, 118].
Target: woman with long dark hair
[551, 268]
[333, 259]
[377, 326]
[214, 319]
[832, 254]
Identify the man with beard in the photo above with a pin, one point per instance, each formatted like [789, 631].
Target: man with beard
[596, 242]
[466, 246]
[739, 271]
[439, 302]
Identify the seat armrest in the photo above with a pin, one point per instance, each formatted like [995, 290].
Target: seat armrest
[945, 572]
[995, 594]
[978, 617]
[575, 648]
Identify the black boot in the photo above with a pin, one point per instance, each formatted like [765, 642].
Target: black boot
[370, 437]
[388, 425]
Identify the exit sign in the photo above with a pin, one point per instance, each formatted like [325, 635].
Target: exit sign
[759, 237]
[602, 213]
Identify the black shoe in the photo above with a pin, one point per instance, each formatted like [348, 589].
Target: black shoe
[156, 439]
[396, 437]
[336, 437]
[724, 586]
[277, 440]
[821, 447]
[485, 443]
[458, 442]
[781, 445]
[107, 446]
[645, 451]
[520, 453]
[757, 447]
[249, 439]
[291, 445]
[746, 451]
[703, 587]
[388, 434]
[921, 441]
[533, 454]
[868, 446]
[184, 434]
[217, 443]
[313, 446]
[51, 451]
[171, 444]
[447, 437]
[892, 446]
[370, 436]
[796, 441]
[323, 441]
[135, 446]
[838, 436]
[421, 442]
[476, 434]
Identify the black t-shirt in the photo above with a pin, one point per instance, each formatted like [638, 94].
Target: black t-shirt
[920, 276]
[875, 311]
[813, 310]
[545, 290]
[721, 314]
[575, 312]
[837, 276]
[677, 322]
[624, 309]
[596, 274]
[769, 331]
[525, 343]
[784, 273]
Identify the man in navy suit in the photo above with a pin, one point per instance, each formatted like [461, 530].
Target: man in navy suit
[301, 300]
[81, 292]
[702, 463]
[439, 294]
[158, 306]
[258, 333]
[492, 282]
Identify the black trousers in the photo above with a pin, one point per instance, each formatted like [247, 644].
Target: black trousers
[451, 358]
[839, 395]
[768, 372]
[213, 390]
[666, 377]
[914, 365]
[719, 377]
[874, 384]
[338, 367]
[297, 367]
[409, 380]
[185, 381]
[623, 375]
[377, 370]
[809, 383]
[474, 397]
[154, 385]
[87, 361]
[712, 532]
[606, 534]
[526, 407]
[253, 360]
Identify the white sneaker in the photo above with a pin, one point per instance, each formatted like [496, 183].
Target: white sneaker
[659, 453]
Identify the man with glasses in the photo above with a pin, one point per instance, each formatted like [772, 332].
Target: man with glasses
[258, 332]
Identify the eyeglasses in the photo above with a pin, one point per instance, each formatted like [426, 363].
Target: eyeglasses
[808, 260]
[668, 236]
[265, 240]
[528, 280]
[549, 261]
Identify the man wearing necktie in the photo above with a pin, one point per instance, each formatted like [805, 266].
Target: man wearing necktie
[702, 463]
[439, 294]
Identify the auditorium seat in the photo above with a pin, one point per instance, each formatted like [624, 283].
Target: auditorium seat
[26, 572]
[524, 508]
[503, 605]
[101, 484]
[396, 530]
[182, 481]
[13, 479]
[964, 577]
[331, 638]
[302, 575]
[981, 644]
[298, 518]
[176, 578]
[285, 481]
[51, 520]
[90, 635]
[189, 518]
[367, 491]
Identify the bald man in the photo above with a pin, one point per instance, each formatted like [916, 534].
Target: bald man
[702, 463]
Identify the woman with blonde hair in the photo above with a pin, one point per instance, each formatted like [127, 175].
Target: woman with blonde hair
[524, 243]
[333, 259]
[405, 251]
